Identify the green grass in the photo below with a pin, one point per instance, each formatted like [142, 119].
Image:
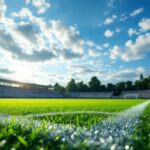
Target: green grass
[35, 106]
[142, 134]
[22, 135]
[79, 120]
[14, 136]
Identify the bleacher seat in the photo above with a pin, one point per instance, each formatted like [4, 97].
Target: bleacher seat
[88, 94]
[16, 92]
[130, 94]
[145, 94]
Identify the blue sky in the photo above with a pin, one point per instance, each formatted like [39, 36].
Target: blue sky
[48, 41]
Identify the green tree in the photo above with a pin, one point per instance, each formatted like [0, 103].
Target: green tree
[103, 88]
[58, 88]
[82, 87]
[119, 87]
[141, 77]
[140, 85]
[110, 87]
[94, 84]
[149, 86]
[71, 86]
[129, 85]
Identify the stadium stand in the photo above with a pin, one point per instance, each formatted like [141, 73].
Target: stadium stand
[16, 92]
[9, 88]
[135, 94]
[130, 94]
[145, 94]
[88, 94]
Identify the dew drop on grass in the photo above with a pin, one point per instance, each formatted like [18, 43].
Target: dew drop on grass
[2, 143]
[113, 147]
[96, 131]
[126, 147]
[102, 140]
[63, 139]
[72, 136]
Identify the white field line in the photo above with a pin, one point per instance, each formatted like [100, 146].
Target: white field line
[112, 133]
[70, 113]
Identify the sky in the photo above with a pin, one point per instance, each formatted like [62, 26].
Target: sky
[49, 41]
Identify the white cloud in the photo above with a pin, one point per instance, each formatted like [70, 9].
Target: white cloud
[106, 45]
[132, 50]
[125, 74]
[98, 47]
[69, 55]
[78, 70]
[93, 45]
[110, 3]
[138, 49]
[110, 20]
[36, 40]
[115, 52]
[68, 37]
[94, 53]
[27, 31]
[17, 51]
[140, 70]
[25, 12]
[6, 71]
[132, 32]
[34, 34]
[144, 24]
[108, 33]
[3, 8]
[90, 43]
[118, 30]
[123, 17]
[41, 5]
[136, 12]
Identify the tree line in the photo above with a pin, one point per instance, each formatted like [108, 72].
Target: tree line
[95, 85]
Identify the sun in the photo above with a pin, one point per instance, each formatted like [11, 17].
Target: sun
[24, 72]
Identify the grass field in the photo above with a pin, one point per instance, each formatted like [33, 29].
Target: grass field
[64, 123]
[34, 106]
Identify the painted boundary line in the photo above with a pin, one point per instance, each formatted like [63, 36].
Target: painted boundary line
[70, 113]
